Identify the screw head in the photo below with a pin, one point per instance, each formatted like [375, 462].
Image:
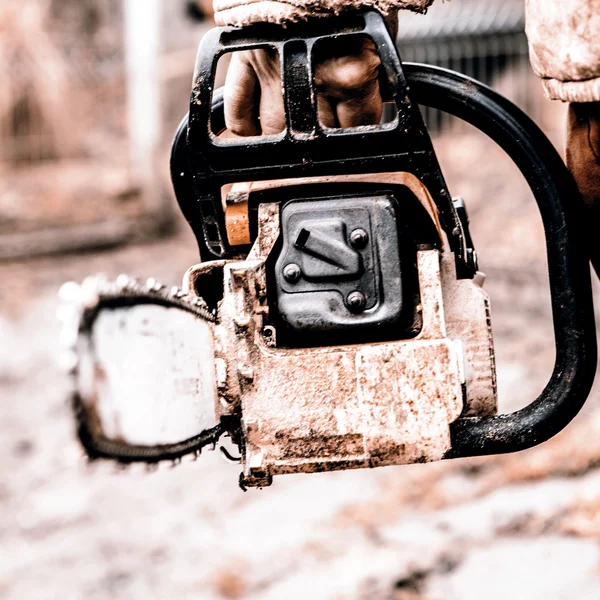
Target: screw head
[270, 336]
[356, 301]
[292, 273]
[359, 238]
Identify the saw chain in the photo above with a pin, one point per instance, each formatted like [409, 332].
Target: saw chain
[81, 309]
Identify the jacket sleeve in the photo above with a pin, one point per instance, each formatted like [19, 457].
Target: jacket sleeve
[245, 12]
[564, 47]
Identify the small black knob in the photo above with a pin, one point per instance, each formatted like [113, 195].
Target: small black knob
[356, 301]
[292, 273]
[359, 238]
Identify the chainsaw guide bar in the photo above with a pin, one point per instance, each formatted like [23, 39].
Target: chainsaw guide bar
[82, 309]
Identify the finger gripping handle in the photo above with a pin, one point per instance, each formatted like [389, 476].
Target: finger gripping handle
[305, 148]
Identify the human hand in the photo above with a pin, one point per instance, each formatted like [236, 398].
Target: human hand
[346, 78]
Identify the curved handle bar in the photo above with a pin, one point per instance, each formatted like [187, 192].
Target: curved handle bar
[572, 310]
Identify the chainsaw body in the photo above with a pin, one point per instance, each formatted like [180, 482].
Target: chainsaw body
[337, 319]
[307, 401]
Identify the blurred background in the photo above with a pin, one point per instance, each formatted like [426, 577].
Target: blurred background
[91, 93]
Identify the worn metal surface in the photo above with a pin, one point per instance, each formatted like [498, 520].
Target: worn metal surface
[149, 374]
[163, 372]
[340, 407]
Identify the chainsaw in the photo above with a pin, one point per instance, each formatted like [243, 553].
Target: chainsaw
[337, 318]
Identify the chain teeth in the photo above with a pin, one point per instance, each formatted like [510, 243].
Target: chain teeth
[70, 292]
[76, 299]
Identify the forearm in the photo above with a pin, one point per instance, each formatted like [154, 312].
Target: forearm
[245, 12]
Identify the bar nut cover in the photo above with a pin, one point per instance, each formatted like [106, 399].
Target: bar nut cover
[339, 268]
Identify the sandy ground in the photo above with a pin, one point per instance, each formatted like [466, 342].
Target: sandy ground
[524, 526]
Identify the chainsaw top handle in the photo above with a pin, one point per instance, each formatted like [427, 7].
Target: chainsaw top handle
[305, 148]
[201, 165]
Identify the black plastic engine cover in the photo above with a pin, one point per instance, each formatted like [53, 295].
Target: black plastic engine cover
[340, 268]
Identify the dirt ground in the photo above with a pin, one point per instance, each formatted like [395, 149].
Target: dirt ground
[524, 526]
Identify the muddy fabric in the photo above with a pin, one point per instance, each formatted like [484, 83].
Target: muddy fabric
[246, 12]
[563, 34]
[564, 47]
[583, 160]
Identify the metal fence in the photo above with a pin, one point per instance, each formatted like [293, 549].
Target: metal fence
[499, 60]
[484, 39]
